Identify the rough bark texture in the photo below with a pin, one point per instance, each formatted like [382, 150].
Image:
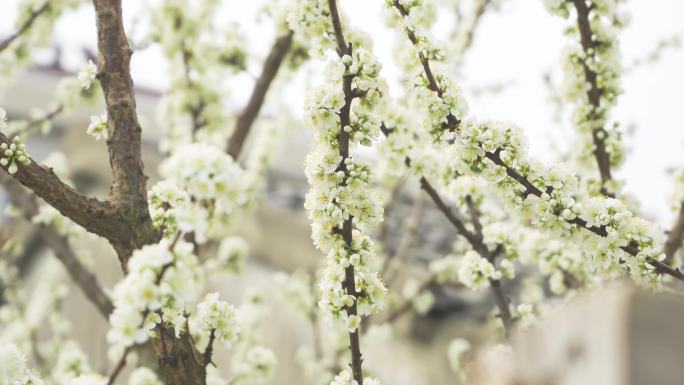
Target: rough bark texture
[128, 192]
[177, 357]
[249, 113]
[179, 361]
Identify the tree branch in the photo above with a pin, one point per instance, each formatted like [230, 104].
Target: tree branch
[85, 211]
[600, 231]
[529, 187]
[124, 143]
[349, 283]
[593, 93]
[477, 243]
[675, 237]
[128, 192]
[59, 244]
[119, 366]
[25, 26]
[210, 348]
[249, 113]
[34, 123]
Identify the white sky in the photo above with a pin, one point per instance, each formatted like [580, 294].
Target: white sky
[514, 46]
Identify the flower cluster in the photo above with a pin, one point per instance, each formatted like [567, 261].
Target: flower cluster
[550, 198]
[71, 363]
[207, 174]
[434, 92]
[14, 154]
[87, 74]
[310, 20]
[217, 318]
[547, 197]
[475, 272]
[172, 210]
[160, 283]
[200, 54]
[14, 368]
[592, 77]
[341, 199]
[98, 126]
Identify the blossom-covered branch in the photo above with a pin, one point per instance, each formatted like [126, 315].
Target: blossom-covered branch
[616, 239]
[341, 204]
[592, 71]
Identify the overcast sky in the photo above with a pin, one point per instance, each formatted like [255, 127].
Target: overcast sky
[514, 46]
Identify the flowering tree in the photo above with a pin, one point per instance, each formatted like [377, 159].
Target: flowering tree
[572, 224]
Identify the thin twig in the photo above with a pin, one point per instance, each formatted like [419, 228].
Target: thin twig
[25, 26]
[249, 114]
[119, 366]
[82, 277]
[594, 93]
[349, 283]
[35, 123]
[210, 349]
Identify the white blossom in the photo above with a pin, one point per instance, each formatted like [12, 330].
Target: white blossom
[3, 119]
[98, 126]
[217, 317]
[87, 74]
[14, 368]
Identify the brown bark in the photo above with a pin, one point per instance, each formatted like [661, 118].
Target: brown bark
[128, 192]
[177, 357]
[249, 114]
[88, 212]
[349, 283]
[60, 245]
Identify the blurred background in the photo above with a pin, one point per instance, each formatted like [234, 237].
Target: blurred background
[512, 72]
